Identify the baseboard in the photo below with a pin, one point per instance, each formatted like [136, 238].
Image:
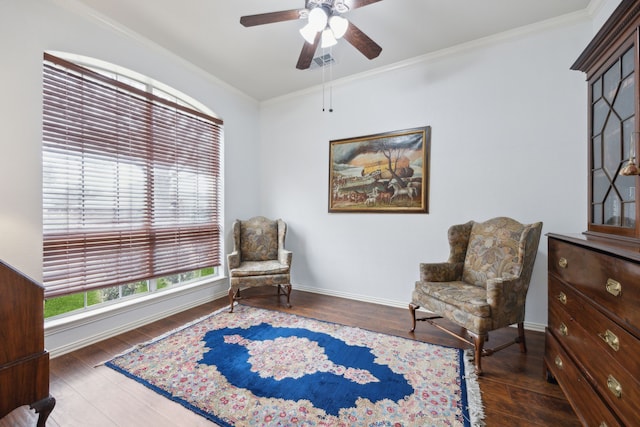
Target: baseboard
[356, 297]
[530, 326]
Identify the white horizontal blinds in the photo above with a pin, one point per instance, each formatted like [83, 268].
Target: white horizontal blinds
[130, 183]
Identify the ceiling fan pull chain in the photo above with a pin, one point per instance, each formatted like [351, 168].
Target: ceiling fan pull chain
[323, 84]
[325, 65]
[331, 81]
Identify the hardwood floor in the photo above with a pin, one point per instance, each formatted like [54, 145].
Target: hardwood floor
[514, 391]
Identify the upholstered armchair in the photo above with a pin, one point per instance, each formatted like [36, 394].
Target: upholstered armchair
[483, 286]
[259, 257]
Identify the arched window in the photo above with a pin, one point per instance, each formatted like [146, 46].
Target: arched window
[131, 184]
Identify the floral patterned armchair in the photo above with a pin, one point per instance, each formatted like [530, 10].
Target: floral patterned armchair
[484, 284]
[259, 257]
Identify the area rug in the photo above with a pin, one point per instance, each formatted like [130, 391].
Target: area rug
[258, 367]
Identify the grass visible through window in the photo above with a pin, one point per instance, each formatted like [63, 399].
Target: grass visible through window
[69, 303]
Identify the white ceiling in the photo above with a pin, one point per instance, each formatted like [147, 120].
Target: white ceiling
[260, 61]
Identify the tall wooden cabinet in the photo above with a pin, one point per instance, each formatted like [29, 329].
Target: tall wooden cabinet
[24, 362]
[593, 334]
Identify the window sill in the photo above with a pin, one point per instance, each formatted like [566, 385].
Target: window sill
[69, 333]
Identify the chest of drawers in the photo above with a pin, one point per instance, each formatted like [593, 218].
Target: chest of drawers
[593, 334]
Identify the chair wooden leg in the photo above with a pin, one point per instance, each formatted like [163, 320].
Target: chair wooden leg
[231, 293]
[521, 339]
[287, 291]
[412, 310]
[43, 408]
[478, 344]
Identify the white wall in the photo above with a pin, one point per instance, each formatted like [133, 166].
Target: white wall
[27, 29]
[509, 131]
[601, 10]
[508, 122]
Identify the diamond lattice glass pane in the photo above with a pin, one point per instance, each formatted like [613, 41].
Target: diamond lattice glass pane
[600, 113]
[626, 186]
[628, 128]
[596, 149]
[624, 103]
[596, 89]
[597, 213]
[612, 147]
[629, 215]
[600, 186]
[611, 81]
[612, 206]
[628, 62]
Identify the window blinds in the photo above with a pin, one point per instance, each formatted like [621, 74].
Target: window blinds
[131, 183]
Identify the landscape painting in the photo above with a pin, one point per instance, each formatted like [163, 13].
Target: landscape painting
[387, 172]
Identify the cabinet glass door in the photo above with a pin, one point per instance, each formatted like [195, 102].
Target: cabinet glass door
[613, 142]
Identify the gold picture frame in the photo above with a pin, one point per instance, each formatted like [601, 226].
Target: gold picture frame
[384, 173]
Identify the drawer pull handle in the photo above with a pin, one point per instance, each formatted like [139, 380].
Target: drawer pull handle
[614, 287]
[558, 362]
[562, 262]
[562, 297]
[603, 424]
[614, 386]
[611, 339]
[563, 329]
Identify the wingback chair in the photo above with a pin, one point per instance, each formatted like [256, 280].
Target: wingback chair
[483, 286]
[259, 257]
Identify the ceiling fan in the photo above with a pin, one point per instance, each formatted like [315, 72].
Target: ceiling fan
[325, 24]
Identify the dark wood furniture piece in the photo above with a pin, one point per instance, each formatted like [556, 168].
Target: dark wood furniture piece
[593, 334]
[24, 362]
[593, 337]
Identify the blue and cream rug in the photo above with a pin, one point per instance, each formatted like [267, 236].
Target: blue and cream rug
[257, 367]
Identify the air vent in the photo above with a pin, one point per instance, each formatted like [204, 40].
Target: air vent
[322, 61]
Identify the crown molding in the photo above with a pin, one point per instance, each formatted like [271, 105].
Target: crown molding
[85, 11]
[538, 27]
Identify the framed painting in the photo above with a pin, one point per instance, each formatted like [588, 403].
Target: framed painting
[386, 172]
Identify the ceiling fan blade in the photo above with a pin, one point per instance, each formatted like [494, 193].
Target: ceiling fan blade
[362, 42]
[354, 4]
[270, 17]
[306, 56]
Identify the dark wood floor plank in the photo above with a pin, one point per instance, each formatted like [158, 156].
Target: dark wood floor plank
[523, 407]
[514, 391]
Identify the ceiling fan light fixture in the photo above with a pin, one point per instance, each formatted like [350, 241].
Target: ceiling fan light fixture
[338, 25]
[309, 33]
[318, 18]
[328, 39]
[340, 6]
[323, 25]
